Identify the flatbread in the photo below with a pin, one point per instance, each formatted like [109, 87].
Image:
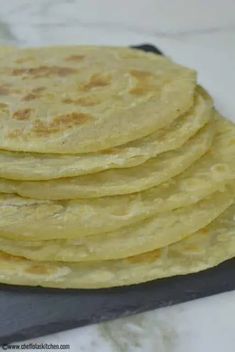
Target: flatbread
[117, 181]
[202, 250]
[35, 166]
[20, 217]
[153, 233]
[84, 99]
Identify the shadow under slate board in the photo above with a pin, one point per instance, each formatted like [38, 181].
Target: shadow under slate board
[31, 312]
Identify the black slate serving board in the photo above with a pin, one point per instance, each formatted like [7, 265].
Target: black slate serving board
[31, 312]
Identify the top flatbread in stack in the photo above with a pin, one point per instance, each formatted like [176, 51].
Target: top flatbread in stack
[76, 100]
[113, 164]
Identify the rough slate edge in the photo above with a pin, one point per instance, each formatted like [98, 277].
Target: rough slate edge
[32, 312]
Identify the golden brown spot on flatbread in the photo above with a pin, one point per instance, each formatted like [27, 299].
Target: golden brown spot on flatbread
[44, 71]
[148, 257]
[75, 58]
[29, 97]
[38, 269]
[97, 80]
[204, 231]
[37, 90]
[10, 258]
[62, 71]
[69, 101]
[34, 94]
[141, 75]
[83, 101]
[61, 123]
[144, 82]
[22, 115]
[138, 90]
[191, 248]
[110, 151]
[74, 118]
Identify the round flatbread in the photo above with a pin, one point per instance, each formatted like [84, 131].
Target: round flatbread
[204, 249]
[85, 99]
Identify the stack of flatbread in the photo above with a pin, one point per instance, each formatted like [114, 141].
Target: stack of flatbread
[115, 169]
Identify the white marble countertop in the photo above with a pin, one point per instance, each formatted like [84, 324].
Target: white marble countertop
[198, 33]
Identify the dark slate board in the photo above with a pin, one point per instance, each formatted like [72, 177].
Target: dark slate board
[31, 312]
